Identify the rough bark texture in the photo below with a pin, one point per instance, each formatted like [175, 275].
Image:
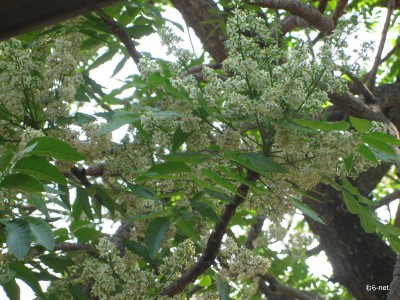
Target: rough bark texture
[205, 19]
[19, 16]
[358, 259]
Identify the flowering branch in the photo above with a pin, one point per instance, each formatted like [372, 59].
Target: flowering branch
[214, 242]
[374, 70]
[120, 32]
[311, 15]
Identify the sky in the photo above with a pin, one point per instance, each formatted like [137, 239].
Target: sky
[102, 75]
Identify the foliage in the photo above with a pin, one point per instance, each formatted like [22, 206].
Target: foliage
[242, 143]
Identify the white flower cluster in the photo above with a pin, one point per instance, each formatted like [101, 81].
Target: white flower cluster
[39, 82]
[114, 279]
[182, 256]
[240, 261]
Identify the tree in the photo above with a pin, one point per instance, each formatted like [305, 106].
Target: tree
[272, 135]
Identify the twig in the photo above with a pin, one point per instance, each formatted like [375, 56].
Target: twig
[120, 32]
[214, 242]
[311, 15]
[391, 52]
[374, 70]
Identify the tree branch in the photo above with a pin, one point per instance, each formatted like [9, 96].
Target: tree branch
[388, 199]
[290, 293]
[311, 15]
[197, 15]
[374, 70]
[368, 95]
[340, 5]
[121, 34]
[214, 241]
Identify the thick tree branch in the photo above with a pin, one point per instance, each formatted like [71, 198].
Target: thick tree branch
[363, 89]
[340, 5]
[359, 109]
[214, 241]
[374, 70]
[197, 15]
[21, 16]
[388, 199]
[121, 34]
[311, 15]
[290, 293]
[322, 5]
[394, 293]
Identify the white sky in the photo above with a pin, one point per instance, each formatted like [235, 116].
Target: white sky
[102, 75]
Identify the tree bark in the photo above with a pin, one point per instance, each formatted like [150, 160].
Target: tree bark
[358, 259]
[17, 17]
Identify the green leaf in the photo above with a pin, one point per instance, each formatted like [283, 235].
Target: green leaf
[64, 196]
[83, 199]
[351, 202]
[382, 137]
[217, 179]
[150, 215]
[107, 56]
[170, 167]
[361, 125]
[41, 232]
[118, 120]
[322, 125]
[179, 138]
[120, 65]
[77, 291]
[205, 210]
[223, 288]
[5, 160]
[255, 161]
[368, 221]
[39, 168]
[155, 234]
[55, 148]
[208, 186]
[394, 242]
[40, 204]
[26, 275]
[188, 228]
[367, 153]
[22, 182]
[86, 234]
[19, 237]
[156, 79]
[187, 157]
[307, 210]
[205, 281]
[142, 191]
[12, 290]
[106, 200]
[137, 249]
